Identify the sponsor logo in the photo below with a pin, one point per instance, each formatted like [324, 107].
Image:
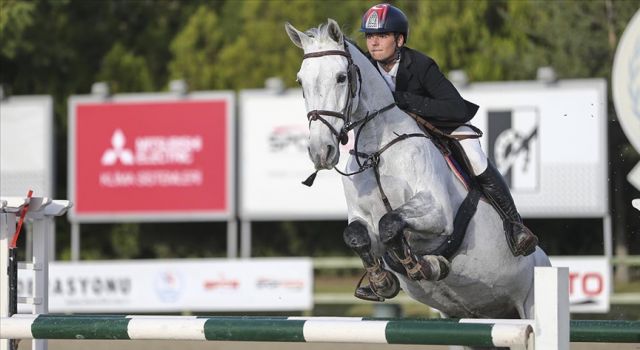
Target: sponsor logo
[117, 152]
[173, 150]
[272, 283]
[289, 137]
[168, 285]
[221, 283]
[152, 150]
[514, 146]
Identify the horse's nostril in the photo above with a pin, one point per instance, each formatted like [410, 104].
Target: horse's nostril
[329, 151]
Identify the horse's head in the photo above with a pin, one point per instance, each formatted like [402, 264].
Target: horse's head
[329, 83]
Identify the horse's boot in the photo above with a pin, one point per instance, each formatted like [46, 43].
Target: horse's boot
[383, 284]
[521, 240]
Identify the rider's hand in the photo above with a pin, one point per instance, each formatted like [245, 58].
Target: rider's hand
[400, 98]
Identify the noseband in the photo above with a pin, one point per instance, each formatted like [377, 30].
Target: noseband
[353, 87]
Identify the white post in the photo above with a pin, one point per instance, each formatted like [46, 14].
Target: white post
[551, 308]
[42, 232]
[7, 228]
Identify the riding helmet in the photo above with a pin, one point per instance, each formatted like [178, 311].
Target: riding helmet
[384, 18]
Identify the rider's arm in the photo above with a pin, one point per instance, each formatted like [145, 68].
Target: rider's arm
[443, 101]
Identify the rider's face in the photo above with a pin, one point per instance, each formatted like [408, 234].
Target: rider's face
[381, 46]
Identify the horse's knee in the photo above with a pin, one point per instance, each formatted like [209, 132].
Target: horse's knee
[356, 237]
[391, 225]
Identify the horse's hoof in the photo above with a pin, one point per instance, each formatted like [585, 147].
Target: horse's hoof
[367, 293]
[385, 284]
[434, 268]
[445, 267]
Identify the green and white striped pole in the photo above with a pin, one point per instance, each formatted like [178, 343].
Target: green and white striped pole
[265, 329]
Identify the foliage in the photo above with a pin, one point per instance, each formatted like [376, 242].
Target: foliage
[61, 47]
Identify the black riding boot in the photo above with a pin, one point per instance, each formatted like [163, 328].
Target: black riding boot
[521, 240]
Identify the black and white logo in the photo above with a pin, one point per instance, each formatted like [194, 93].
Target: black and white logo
[514, 146]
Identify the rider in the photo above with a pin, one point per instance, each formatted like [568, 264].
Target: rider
[419, 87]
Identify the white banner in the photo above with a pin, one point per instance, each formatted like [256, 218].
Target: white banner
[26, 146]
[274, 161]
[589, 282]
[549, 142]
[278, 284]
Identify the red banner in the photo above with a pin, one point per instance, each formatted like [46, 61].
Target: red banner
[149, 159]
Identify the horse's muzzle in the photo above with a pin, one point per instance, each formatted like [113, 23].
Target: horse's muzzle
[326, 158]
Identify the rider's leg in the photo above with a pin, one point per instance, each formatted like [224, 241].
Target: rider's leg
[497, 191]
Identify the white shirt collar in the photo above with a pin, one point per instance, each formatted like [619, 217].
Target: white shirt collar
[390, 76]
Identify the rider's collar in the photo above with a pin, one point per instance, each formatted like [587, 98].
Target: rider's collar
[393, 71]
[395, 58]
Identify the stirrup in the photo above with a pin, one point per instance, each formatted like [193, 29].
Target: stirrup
[366, 292]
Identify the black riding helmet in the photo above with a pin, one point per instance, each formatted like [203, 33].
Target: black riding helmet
[384, 18]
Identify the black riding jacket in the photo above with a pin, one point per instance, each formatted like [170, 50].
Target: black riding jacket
[421, 88]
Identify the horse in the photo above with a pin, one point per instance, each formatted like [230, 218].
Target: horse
[401, 196]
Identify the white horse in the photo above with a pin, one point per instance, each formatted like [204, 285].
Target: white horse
[344, 91]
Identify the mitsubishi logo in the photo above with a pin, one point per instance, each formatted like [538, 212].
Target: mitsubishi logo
[117, 151]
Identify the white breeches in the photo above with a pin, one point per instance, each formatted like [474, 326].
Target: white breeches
[473, 150]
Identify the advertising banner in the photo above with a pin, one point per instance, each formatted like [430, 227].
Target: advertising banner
[279, 284]
[549, 141]
[151, 157]
[589, 282]
[26, 146]
[273, 149]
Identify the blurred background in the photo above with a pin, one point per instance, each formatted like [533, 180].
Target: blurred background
[110, 52]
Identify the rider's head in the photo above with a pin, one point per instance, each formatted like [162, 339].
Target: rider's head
[386, 29]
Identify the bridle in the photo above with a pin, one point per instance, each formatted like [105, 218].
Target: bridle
[353, 73]
[354, 81]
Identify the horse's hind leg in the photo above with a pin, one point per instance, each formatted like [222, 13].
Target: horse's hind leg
[382, 283]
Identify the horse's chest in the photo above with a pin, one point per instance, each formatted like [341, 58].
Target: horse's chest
[366, 193]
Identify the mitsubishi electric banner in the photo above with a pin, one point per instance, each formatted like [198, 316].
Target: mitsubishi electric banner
[279, 284]
[151, 157]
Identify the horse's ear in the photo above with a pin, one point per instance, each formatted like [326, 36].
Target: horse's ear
[296, 36]
[334, 31]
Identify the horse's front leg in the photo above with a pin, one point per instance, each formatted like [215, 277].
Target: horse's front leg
[382, 283]
[424, 214]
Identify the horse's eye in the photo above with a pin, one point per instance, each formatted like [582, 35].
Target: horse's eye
[342, 78]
